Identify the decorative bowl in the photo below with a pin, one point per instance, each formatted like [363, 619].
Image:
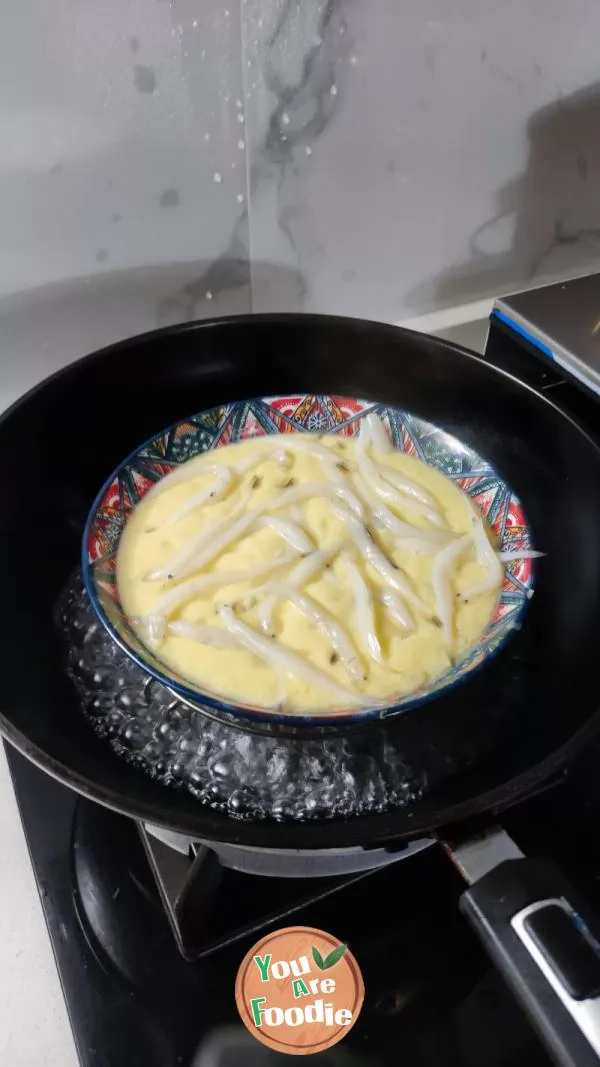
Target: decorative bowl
[299, 413]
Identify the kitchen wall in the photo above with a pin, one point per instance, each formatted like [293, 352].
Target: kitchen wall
[383, 158]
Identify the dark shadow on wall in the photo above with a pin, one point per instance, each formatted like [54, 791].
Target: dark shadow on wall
[552, 209]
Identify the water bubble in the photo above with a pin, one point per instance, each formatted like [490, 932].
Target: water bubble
[217, 177]
[246, 775]
[240, 198]
[208, 294]
[285, 118]
[238, 103]
[207, 136]
[308, 150]
[241, 145]
[333, 91]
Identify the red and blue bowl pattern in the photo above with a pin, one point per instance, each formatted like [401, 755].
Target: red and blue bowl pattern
[299, 414]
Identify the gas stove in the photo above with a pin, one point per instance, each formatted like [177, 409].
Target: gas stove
[149, 928]
[135, 999]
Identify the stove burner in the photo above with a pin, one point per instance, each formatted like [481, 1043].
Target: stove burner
[245, 775]
[291, 862]
[152, 875]
[211, 907]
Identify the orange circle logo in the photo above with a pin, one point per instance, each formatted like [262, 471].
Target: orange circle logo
[299, 990]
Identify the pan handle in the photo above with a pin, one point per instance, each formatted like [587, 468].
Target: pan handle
[546, 943]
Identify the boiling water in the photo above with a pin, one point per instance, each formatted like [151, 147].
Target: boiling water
[246, 775]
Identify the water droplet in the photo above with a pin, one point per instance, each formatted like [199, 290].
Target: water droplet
[283, 137]
[333, 91]
[208, 294]
[195, 23]
[240, 117]
[285, 118]
[308, 150]
[238, 103]
[218, 178]
[241, 145]
[240, 198]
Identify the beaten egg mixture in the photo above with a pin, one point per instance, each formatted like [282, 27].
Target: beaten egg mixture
[155, 539]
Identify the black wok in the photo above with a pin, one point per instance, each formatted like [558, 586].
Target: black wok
[61, 440]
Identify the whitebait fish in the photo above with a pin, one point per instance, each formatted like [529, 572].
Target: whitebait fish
[216, 533]
[443, 564]
[303, 572]
[407, 535]
[364, 611]
[204, 583]
[326, 623]
[151, 628]
[214, 491]
[402, 498]
[205, 635]
[379, 438]
[488, 560]
[194, 468]
[289, 661]
[373, 554]
[507, 557]
[290, 532]
[397, 611]
[314, 490]
[316, 543]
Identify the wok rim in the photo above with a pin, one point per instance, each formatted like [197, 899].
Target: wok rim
[398, 824]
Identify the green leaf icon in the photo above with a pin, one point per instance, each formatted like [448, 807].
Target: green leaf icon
[317, 957]
[333, 957]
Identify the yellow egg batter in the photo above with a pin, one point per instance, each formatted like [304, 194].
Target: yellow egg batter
[155, 558]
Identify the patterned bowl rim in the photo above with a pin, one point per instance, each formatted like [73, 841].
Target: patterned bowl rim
[493, 640]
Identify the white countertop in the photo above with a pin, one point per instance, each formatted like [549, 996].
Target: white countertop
[39, 333]
[34, 1026]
